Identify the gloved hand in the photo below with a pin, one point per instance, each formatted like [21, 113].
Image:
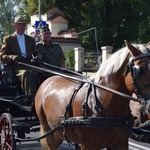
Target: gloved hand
[15, 58]
[36, 59]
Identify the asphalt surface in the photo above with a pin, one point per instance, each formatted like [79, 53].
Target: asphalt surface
[35, 145]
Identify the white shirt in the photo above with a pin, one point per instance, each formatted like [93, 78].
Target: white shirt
[21, 42]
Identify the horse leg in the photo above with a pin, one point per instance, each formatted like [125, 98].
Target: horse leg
[51, 142]
[48, 142]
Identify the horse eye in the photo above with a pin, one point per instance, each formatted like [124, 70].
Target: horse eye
[136, 71]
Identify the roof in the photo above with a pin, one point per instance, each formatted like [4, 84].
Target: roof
[66, 31]
[53, 10]
[56, 16]
[66, 40]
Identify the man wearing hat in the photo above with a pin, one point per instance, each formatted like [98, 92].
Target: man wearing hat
[18, 47]
[50, 53]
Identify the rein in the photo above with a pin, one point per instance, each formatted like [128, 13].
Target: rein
[83, 79]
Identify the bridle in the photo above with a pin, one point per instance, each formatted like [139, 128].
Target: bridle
[132, 69]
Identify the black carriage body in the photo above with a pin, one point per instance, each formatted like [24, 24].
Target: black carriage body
[12, 98]
[16, 109]
[11, 92]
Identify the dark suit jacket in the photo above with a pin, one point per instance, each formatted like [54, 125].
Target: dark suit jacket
[10, 47]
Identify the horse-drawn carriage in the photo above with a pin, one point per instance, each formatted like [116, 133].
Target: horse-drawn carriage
[91, 111]
[17, 112]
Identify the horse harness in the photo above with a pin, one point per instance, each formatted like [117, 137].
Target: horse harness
[100, 121]
[103, 121]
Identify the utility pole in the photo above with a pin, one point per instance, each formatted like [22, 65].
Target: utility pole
[39, 10]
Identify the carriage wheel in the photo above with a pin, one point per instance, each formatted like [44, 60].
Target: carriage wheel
[7, 141]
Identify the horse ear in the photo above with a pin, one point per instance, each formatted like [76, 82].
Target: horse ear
[134, 51]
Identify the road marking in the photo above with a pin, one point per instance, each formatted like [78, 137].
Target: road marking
[135, 146]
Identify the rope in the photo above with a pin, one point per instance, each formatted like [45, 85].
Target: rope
[40, 137]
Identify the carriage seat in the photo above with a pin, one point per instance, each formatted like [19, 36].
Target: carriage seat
[9, 83]
[7, 75]
[9, 79]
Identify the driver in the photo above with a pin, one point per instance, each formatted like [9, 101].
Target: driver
[16, 47]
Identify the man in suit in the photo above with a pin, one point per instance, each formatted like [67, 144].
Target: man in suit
[19, 47]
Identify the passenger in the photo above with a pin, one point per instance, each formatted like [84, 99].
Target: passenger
[50, 53]
[18, 47]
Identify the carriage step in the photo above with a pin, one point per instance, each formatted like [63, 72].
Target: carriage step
[23, 123]
[35, 128]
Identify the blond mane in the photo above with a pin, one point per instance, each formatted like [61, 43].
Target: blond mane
[115, 62]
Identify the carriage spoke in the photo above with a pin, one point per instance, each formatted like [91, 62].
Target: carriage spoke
[6, 132]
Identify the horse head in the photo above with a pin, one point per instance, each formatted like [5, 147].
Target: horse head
[137, 79]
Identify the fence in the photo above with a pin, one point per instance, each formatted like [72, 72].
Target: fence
[92, 60]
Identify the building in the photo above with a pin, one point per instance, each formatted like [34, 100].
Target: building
[58, 24]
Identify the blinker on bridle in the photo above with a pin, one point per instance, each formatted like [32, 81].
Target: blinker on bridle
[132, 68]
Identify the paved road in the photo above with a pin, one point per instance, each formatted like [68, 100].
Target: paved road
[36, 146]
[133, 145]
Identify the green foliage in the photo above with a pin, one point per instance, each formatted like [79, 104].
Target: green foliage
[114, 20]
[70, 60]
[8, 11]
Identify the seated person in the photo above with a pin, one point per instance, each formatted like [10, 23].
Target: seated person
[50, 53]
[18, 47]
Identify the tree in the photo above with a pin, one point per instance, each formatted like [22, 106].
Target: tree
[8, 11]
[114, 20]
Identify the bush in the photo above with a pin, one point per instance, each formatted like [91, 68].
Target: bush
[70, 60]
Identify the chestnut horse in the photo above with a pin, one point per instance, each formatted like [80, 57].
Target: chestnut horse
[91, 116]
